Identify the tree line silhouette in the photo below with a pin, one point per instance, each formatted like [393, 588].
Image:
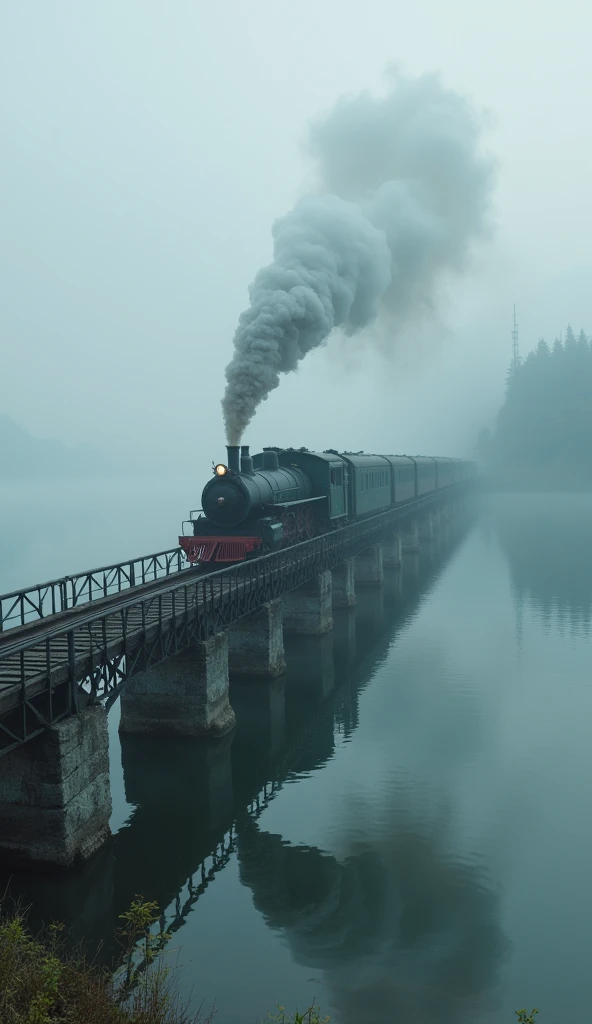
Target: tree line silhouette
[544, 428]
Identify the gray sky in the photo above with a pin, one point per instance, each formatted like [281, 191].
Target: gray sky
[147, 149]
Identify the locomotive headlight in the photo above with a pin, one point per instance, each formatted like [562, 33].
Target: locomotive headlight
[220, 469]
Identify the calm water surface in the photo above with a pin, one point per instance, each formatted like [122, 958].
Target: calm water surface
[400, 827]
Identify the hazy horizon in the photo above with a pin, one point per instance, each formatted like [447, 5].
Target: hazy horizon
[148, 155]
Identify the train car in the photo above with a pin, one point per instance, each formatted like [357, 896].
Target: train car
[444, 473]
[403, 478]
[425, 475]
[370, 484]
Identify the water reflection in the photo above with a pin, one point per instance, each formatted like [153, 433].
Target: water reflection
[401, 928]
[184, 805]
[547, 540]
[189, 798]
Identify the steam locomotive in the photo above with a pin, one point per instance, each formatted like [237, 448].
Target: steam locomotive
[257, 504]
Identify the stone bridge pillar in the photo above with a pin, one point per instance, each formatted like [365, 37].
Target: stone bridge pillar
[256, 643]
[426, 526]
[55, 799]
[392, 552]
[410, 536]
[344, 589]
[369, 570]
[307, 609]
[186, 695]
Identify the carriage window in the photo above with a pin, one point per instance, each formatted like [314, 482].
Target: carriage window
[336, 476]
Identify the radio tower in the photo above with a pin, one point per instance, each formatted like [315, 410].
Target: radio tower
[515, 351]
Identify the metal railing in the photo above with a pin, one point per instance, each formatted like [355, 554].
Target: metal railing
[60, 595]
[51, 669]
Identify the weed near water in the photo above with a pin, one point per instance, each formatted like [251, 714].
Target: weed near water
[44, 982]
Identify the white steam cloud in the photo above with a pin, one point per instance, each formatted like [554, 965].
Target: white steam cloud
[403, 192]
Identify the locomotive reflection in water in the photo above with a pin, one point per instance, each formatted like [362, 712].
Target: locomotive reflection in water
[282, 496]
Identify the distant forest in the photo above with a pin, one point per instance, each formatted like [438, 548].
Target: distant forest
[543, 434]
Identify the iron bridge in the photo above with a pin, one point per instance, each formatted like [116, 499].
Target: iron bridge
[75, 641]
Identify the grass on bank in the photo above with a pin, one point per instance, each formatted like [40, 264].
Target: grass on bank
[42, 981]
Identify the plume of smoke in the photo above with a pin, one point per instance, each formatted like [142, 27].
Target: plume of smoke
[402, 192]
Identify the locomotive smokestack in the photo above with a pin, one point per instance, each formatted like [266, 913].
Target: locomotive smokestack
[246, 460]
[233, 457]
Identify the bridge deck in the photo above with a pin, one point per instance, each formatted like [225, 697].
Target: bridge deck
[50, 665]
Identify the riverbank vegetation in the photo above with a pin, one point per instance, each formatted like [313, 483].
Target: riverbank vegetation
[42, 981]
[543, 435]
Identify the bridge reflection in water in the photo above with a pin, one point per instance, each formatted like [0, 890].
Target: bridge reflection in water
[196, 807]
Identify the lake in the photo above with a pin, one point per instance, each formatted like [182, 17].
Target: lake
[399, 828]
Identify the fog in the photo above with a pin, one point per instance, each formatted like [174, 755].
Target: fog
[147, 152]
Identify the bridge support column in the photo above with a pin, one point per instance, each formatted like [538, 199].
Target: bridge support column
[410, 537]
[344, 588]
[369, 570]
[186, 695]
[256, 643]
[55, 800]
[392, 552]
[307, 609]
[426, 527]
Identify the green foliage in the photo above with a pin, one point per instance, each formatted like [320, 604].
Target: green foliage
[524, 1017]
[141, 946]
[43, 982]
[546, 419]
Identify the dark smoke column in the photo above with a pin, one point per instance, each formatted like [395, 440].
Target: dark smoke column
[403, 192]
[330, 267]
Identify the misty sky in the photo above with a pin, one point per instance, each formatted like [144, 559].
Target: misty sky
[147, 149]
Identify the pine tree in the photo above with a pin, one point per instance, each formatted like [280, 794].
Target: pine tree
[545, 423]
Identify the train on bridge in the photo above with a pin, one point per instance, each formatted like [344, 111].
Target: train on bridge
[258, 504]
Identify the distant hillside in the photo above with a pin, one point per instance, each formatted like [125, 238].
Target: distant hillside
[23, 456]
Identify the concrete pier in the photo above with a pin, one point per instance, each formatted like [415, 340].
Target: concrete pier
[425, 525]
[186, 695]
[256, 643]
[55, 800]
[392, 552]
[307, 609]
[344, 588]
[369, 570]
[410, 536]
